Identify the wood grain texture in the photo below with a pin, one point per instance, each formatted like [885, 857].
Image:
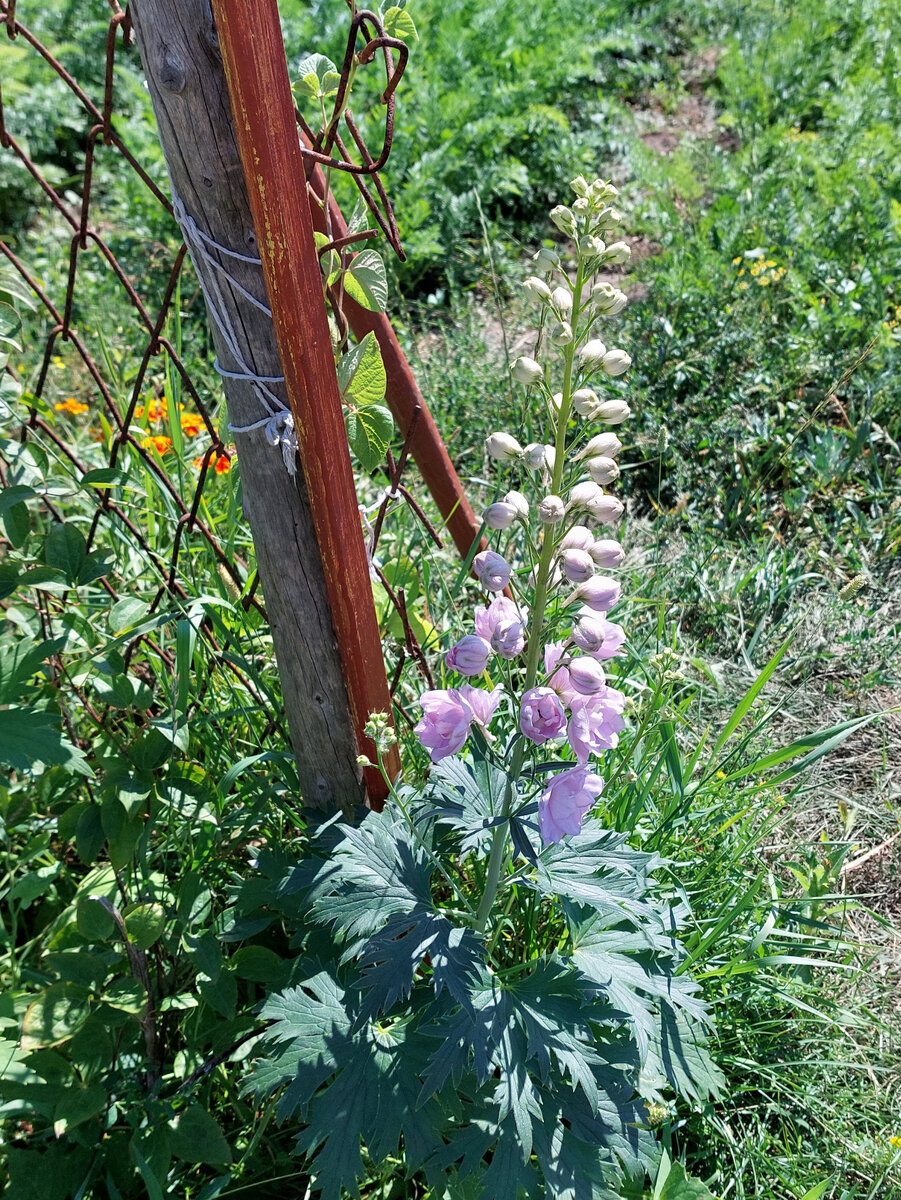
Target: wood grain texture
[182, 62]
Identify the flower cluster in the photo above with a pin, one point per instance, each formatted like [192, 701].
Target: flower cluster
[545, 628]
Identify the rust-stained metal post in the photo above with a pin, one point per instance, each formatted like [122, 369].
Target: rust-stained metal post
[256, 73]
[403, 395]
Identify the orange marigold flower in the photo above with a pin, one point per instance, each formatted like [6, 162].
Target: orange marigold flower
[198, 462]
[159, 443]
[223, 464]
[191, 424]
[72, 406]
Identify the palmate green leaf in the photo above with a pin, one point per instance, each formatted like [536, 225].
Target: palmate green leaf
[678, 1056]
[372, 873]
[369, 432]
[467, 794]
[598, 868]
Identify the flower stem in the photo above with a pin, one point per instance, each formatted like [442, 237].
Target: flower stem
[536, 624]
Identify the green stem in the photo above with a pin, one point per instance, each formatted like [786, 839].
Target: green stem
[539, 605]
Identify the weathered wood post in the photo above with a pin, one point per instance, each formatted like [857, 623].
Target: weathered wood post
[330, 685]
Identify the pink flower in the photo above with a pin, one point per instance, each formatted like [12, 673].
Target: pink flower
[492, 570]
[482, 703]
[607, 553]
[565, 801]
[597, 636]
[557, 679]
[469, 656]
[502, 624]
[444, 727]
[596, 723]
[541, 716]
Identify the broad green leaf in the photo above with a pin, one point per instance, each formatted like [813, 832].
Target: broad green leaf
[679, 1186]
[10, 326]
[361, 373]
[126, 613]
[9, 579]
[369, 431]
[197, 1137]
[55, 1016]
[259, 965]
[28, 737]
[17, 524]
[66, 550]
[127, 996]
[145, 925]
[316, 77]
[398, 23]
[93, 920]
[16, 494]
[79, 1105]
[102, 477]
[366, 281]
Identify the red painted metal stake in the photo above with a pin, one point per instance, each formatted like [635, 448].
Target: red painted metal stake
[403, 396]
[253, 55]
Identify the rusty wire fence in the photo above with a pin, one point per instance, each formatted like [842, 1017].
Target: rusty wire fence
[112, 421]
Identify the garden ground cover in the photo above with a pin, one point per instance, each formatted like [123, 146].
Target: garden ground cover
[757, 150]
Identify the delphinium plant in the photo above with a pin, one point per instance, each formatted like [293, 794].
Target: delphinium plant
[489, 989]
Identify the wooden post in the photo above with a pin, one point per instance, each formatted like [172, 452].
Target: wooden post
[181, 57]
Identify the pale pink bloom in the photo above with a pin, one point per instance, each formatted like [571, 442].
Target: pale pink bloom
[607, 553]
[565, 801]
[444, 727]
[596, 636]
[586, 676]
[595, 724]
[502, 625]
[482, 703]
[578, 566]
[577, 538]
[558, 677]
[541, 716]
[492, 570]
[469, 656]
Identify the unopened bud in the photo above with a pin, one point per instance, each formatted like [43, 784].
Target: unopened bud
[583, 495]
[518, 503]
[591, 356]
[535, 456]
[562, 300]
[582, 206]
[564, 218]
[612, 412]
[577, 565]
[607, 553]
[577, 538]
[585, 402]
[592, 246]
[546, 259]
[619, 252]
[499, 515]
[602, 470]
[536, 289]
[502, 447]
[527, 371]
[589, 633]
[607, 510]
[608, 299]
[561, 334]
[602, 445]
[615, 362]
[580, 185]
[586, 675]
[551, 510]
[600, 593]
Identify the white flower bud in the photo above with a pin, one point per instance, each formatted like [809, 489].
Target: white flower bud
[577, 538]
[607, 553]
[557, 400]
[502, 447]
[561, 334]
[527, 371]
[518, 503]
[562, 300]
[545, 259]
[585, 402]
[536, 289]
[550, 457]
[592, 246]
[564, 218]
[606, 510]
[602, 470]
[591, 356]
[551, 510]
[602, 445]
[535, 456]
[608, 299]
[619, 252]
[578, 566]
[615, 362]
[601, 192]
[612, 412]
[499, 515]
[580, 185]
[583, 495]
[582, 206]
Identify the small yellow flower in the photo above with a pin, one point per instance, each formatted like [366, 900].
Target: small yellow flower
[721, 774]
[763, 281]
[57, 361]
[737, 259]
[72, 406]
[895, 1141]
[743, 286]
